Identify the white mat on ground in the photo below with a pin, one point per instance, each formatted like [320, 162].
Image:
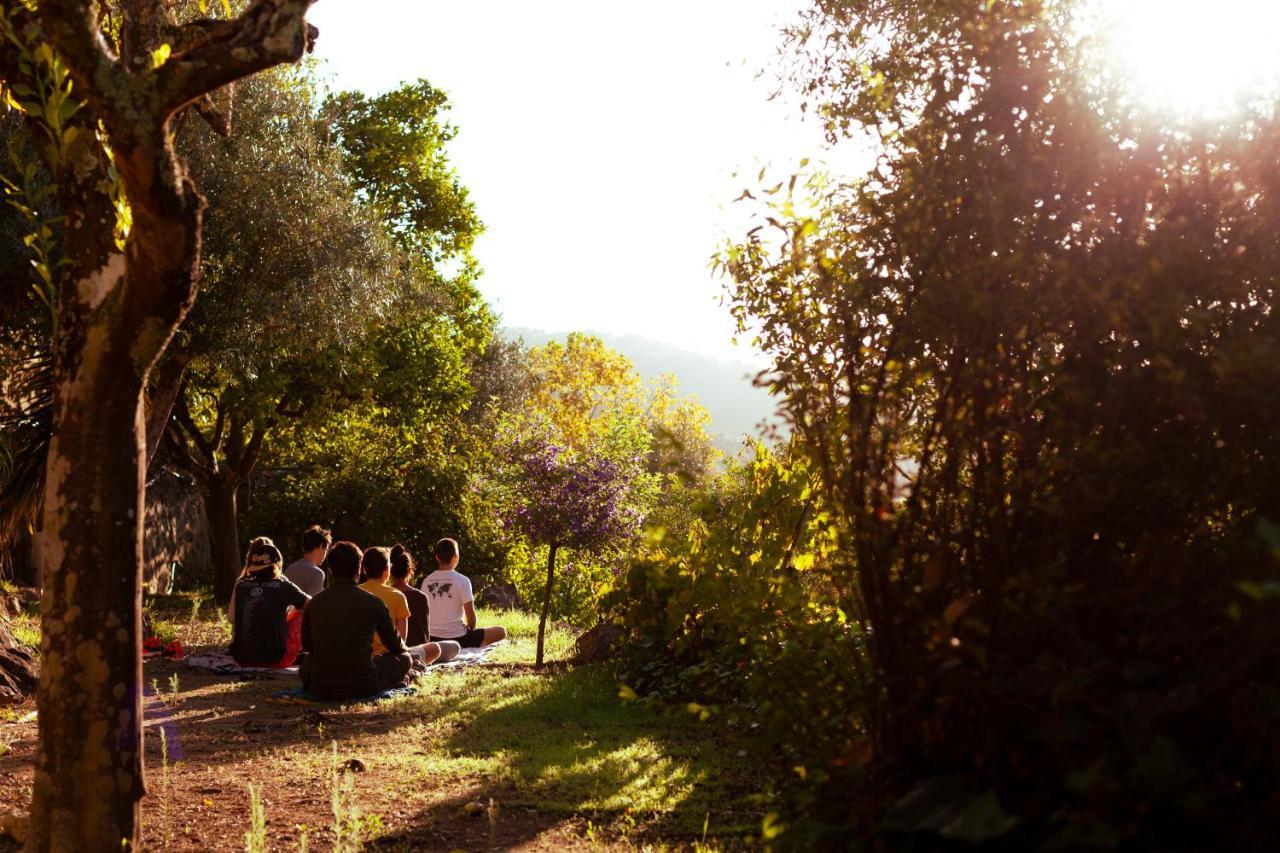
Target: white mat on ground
[224, 664]
[466, 657]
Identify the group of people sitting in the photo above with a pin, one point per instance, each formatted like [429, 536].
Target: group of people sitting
[360, 634]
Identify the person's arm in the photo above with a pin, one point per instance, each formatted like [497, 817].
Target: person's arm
[231, 609]
[401, 616]
[297, 598]
[468, 604]
[387, 632]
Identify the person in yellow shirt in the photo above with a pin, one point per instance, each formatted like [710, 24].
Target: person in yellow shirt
[375, 564]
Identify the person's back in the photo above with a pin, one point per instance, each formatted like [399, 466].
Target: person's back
[447, 591]
[402, 568]
[306, 573]
[395, 602]
[419, 615]
[452, 612]
[260, 628]
[338, 630]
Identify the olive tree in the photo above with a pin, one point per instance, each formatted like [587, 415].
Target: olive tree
[105, 97]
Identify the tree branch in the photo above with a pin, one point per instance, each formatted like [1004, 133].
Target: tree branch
[183, 416]
[250, 457]
[72, 26]
[219, 425]
[187, 459]
[269, 33]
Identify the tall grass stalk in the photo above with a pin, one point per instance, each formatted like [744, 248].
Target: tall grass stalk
[164, 772]
[347, 836]
[255, 840]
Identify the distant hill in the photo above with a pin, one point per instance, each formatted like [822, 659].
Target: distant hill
[724, 387]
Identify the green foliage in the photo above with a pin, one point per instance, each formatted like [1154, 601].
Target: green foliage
[328, 350]
[30, 194]
[588, 401]
[730, 614]
[395, 462]
[1024, 355]
[394, 146]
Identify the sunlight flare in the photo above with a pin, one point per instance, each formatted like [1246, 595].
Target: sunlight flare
[1195, 58]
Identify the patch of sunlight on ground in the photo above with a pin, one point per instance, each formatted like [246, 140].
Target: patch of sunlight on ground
[638, 775]
[522, 636]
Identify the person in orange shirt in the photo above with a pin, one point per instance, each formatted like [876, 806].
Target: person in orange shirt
[374, 565]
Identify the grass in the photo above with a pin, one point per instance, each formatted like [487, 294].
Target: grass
[26, 630]
[497, 756]
[522, 636]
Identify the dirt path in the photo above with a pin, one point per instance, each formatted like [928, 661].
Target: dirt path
[547, 761]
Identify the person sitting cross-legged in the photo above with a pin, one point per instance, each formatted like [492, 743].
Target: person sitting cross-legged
[265, 631]
[374, 565]
[452, 607]
[338, 630]
[402, 570]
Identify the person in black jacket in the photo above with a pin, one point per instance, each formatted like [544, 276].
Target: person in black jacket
[337, 635]
[265, 632]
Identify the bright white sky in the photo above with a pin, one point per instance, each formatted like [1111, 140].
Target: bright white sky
[599, 141]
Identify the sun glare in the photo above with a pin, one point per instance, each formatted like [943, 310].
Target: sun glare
[1194, 57]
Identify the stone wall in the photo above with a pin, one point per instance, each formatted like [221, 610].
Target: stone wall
[176, 532]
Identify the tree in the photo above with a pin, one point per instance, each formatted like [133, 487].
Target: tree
[582, 387]
[395, 146]
[298, 275]
[132, 241]
[682, 447]
[394, 460]
[1024, 353]
[565, 499]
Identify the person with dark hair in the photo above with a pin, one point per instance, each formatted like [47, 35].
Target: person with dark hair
[402, 568]
[374, 566]
[265, 632]
[306, 572]
[452, 607]
[338, 630]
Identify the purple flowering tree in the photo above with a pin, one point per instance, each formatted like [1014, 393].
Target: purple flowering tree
[563, 499]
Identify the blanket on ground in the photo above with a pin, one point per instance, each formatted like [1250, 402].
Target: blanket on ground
[224, 664]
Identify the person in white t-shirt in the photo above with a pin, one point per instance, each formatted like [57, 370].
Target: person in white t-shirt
[451, 609]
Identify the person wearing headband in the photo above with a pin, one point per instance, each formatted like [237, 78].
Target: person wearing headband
[265, 612]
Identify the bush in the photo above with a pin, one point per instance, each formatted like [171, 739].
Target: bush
[730, 612]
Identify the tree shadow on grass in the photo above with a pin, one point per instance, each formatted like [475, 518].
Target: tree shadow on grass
[571, 747]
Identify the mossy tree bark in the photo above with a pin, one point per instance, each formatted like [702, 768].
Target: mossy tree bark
[117, 312]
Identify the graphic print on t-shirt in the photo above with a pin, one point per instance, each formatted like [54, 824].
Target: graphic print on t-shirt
[447, 592]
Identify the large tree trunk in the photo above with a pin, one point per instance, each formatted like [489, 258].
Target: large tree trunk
[224, 535]
[88, 778]
[116, 314]
[546, 602]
